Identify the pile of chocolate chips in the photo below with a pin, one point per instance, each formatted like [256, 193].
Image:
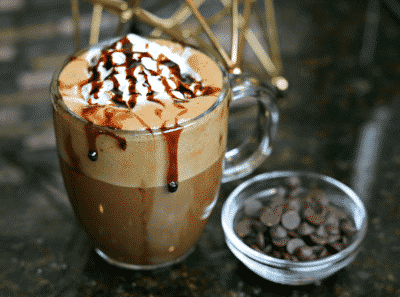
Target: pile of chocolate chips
[296, 225]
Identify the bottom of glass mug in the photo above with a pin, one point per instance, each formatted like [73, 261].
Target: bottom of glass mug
[143, 267]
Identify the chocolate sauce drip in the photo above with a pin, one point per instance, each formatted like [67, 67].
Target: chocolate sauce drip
[93, 155]
[92, 133]
[172, 187]
[172, 138]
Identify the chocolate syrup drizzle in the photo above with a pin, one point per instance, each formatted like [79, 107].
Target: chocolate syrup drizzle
[92, 133]
[172, 139]
[186, 85]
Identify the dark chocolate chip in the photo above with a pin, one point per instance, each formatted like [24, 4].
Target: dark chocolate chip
[271, 217]
[293, 233]
[333, 238]
[293, 182]
[243, 229]
[311, 216]
[305, 253]
[337, 246]
[305, 229]
[321, 231]
[294, 244]
[252, 207]
[280, 242]
[293, 204]
[318, 239]
[256, 248]
[260, 240]
[323, 254]
[278, 232]
[286, 256]
[276, 202]
[345, 241]
[291, 220]
[347, 227]
[268, 249]
[276, 254]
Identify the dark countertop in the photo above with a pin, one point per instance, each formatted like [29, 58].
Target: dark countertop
[340, 117]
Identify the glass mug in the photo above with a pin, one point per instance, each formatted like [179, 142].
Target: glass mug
[146, 199]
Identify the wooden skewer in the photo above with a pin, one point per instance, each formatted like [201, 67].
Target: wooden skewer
[75, 19]
[209, 33]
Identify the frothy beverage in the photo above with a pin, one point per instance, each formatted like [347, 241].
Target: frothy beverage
[141, 129]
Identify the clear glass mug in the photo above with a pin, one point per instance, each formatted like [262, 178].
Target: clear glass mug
[146, 199]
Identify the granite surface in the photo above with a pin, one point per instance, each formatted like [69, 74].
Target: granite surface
[340, 117]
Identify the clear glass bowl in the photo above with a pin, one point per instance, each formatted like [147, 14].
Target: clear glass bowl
[264, 186]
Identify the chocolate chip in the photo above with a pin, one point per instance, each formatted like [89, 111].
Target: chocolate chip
[294, 244]
[268, 249]
[260, 240]
[333, 238]
[280, 242]
[256, 248]
[290, 220]
[347, 227]
[243, 229]
[292, 233]
[276, 254]
[252, 207]
[271, 217]
[305, 229]
[293, 182]
[276, 202]
[295, 193]
[339, 214]
[320, 197]
[278, 232]
[305, 253]
[345, 241]
[337, 246]
[311, 216]
[293, 204]
[331, 220]
[321, 231]
[323, 254]
[286, 256]
[318, 239]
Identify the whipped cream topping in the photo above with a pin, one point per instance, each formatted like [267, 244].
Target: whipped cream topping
[134, 70]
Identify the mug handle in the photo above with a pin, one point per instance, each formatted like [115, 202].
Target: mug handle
[259, 144]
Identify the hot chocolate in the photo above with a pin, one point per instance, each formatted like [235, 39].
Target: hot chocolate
[141, 131]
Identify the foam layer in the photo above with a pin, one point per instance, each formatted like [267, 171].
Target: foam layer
[137, 84]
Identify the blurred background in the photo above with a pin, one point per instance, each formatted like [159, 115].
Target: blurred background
[339, 117]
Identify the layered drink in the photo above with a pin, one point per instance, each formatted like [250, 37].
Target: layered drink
[141, 128]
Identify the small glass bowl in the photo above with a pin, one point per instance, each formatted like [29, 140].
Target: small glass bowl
[264, 187]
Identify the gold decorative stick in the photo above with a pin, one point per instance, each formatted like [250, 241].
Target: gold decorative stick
[243, 31]
[273, 35]
[209, 33]
[96, 22]
[75, 20]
